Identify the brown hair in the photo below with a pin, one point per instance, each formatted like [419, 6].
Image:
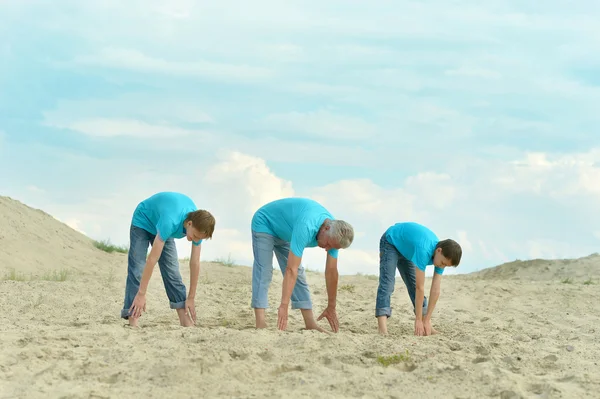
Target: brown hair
[451, 250]
[202, 221]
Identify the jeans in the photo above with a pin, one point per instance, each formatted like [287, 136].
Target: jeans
[139, 240]
[389, 260]
[263, 246]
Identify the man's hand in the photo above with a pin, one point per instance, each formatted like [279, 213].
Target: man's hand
[138, 305]
[331, 316]
[190, 309]
[419, 328]
[282, 317]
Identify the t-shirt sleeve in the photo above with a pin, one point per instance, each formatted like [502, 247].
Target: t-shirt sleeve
[164, 229]
[439, 270]
[196, 243]
[333, 252]
[300, 239]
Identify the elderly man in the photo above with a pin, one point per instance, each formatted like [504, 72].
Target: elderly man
[286, 227]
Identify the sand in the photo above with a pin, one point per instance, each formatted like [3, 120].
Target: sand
[501, 336]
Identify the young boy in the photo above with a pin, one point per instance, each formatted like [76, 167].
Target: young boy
[411, 247]
[157, 221]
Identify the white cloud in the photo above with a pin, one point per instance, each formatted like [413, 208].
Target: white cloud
[321, 123]
[137, 61]
[473, 71]
[35, 189]
[101, 127]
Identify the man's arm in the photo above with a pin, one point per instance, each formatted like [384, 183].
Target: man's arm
[289, 278]
[194, 270]
[157, 247]
[331, 280]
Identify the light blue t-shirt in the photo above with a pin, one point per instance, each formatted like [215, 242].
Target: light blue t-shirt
[415, 242]
[295, 220]
[163, 215]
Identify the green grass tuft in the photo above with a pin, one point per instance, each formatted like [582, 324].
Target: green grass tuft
[347, 287]
[106, 246]
[52, 275]
[568, 280]
[229, 262]
[394, 359]
[588, 281]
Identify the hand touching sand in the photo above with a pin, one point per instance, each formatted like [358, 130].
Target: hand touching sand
[331, 316]
[138, 305]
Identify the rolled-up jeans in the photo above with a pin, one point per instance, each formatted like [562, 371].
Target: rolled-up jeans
[390, 259]
[263, 246]
[139, 240]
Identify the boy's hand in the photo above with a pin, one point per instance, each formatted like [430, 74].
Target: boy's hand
[419, 328]
[427, 326]
[139, 304]
[190, 309]
[282, 317]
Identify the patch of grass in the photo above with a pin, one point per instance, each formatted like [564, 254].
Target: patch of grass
[56, 275]
[51, 275]
[106, 246]
[568, 280]
[347, 287]
[229, 262]
[386, 361]
[588, 281]
[13, 275]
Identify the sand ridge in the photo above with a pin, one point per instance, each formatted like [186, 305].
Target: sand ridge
[499, 337]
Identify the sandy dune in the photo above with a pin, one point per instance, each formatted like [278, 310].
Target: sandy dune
[504, 334]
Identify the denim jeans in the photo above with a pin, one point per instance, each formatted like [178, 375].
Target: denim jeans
[389, 260]
[263, 246]
[139, 240]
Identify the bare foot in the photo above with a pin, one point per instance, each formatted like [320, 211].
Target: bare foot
[186, 322]
[316, 327]
[261, 324]
[382, 325]
[383, 331]
[184, 319]
[133, 322]
[259, 314]
[433, 331]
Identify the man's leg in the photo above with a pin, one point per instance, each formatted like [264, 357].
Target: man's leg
[139, 240]
[301, 293]
[174, 286]
[262, 274]
[407, 272]
[388, 258]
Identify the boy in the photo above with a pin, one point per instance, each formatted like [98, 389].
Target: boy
[410, 247]
[286, 227]
[157, 221]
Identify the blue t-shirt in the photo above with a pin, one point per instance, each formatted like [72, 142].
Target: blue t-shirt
[295, 220]
[415, 242]
[163, 215]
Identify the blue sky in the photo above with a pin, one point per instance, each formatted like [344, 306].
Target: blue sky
[478, 120]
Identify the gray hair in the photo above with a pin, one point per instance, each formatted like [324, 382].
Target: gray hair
[342, 232]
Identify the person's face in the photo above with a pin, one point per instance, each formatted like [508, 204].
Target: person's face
[192, 234]
[440, 260]
[325, 241]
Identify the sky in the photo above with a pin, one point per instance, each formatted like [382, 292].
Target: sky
[476, 119]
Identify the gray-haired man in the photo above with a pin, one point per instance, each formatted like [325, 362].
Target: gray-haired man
[286, 227]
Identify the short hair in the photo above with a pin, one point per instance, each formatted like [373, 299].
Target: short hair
[342, 232]
[203, 221]
[451, 250]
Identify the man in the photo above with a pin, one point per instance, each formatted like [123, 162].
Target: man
[286, 227]
[157, 221]
[411, 247]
